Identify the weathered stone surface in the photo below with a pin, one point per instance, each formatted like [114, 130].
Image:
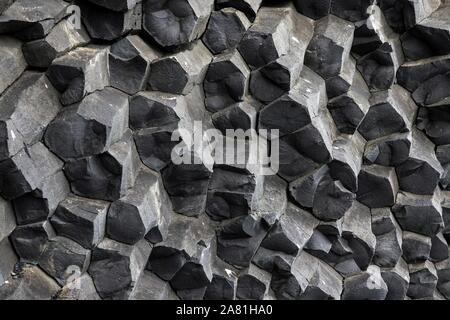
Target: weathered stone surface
[78, 73]
[225, 30]
[12, 61]
[423, 280]
[150, 287]
[8, 260]
[30, 241]
[314, 9]
[377, 186]
[176, 23]
[249, 7]
[115, 267]
[100, 120]
[62, 39]
[107, 176]
[129, 64]
[105, 24]
[64, 259]
[394, 108]
[81, 288]
[82, 220]
[131, 217]
[22, 118]
[226, 81]
[368, 285]
[389, 242]
[420, 214]
[397, 280]
[25, 14]
[415, 247]
[32, 284]
[180, 72]
[7, 218]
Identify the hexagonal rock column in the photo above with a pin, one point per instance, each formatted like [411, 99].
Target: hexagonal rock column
[394, 108]
[129, 64]
[139, 210]
[105, 24]
[377, 186]
[180, 72]
[22, 121]
[419, 213]
[79, 73]
[174, 23]
[116, 267]
[100, 120]
[82, 220]
[8, 261]
[249, 7]
[62, 39]
[225, 30]
[29, 16]
[268, 38]
[106, 176]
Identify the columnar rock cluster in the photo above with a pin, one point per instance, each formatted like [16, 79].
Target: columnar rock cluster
[92, 205]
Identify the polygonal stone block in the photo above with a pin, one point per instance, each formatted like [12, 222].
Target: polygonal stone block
[278, 77]
[429, 37]
[368, 285]
[351, 11]
[419, 213]
[357, 230]
[27, 171]
[421, 172]
[63, 38]
[64, 259]
[30, 241]
[238, 240]
[268, 38]
[242, 115]
[415, 247]
[443, 273]
[349, 109]
[129, 64]
[33, 284]
[296, 109]
[423, 280]
[138, 210]
[439, 248]
[82, 220]
[377, 186]
[225, 30]
[330, 46]
[40, 203]
[150, 287]
[180, 72]
[231, 193]
[90, 127]
[292, 231]
[82, 288]
[226, 81]
[249, 7]
[390, 151]
[22, 121]
[391, 111]
[107, 176]
[397, 280]
[12, 61]
[314, 9]
[388, 249]
[187, 186]
[115, 267]
[78, 73]
[347, 160]
[105, 24]
[174, 23]
[308, 279]
[25, 14]
[253, 284]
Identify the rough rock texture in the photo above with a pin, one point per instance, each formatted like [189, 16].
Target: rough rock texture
[108, 184]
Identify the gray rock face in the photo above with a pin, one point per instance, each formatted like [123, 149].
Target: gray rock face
[116, 177]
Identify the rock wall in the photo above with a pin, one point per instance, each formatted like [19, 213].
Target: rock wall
[93, 206]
